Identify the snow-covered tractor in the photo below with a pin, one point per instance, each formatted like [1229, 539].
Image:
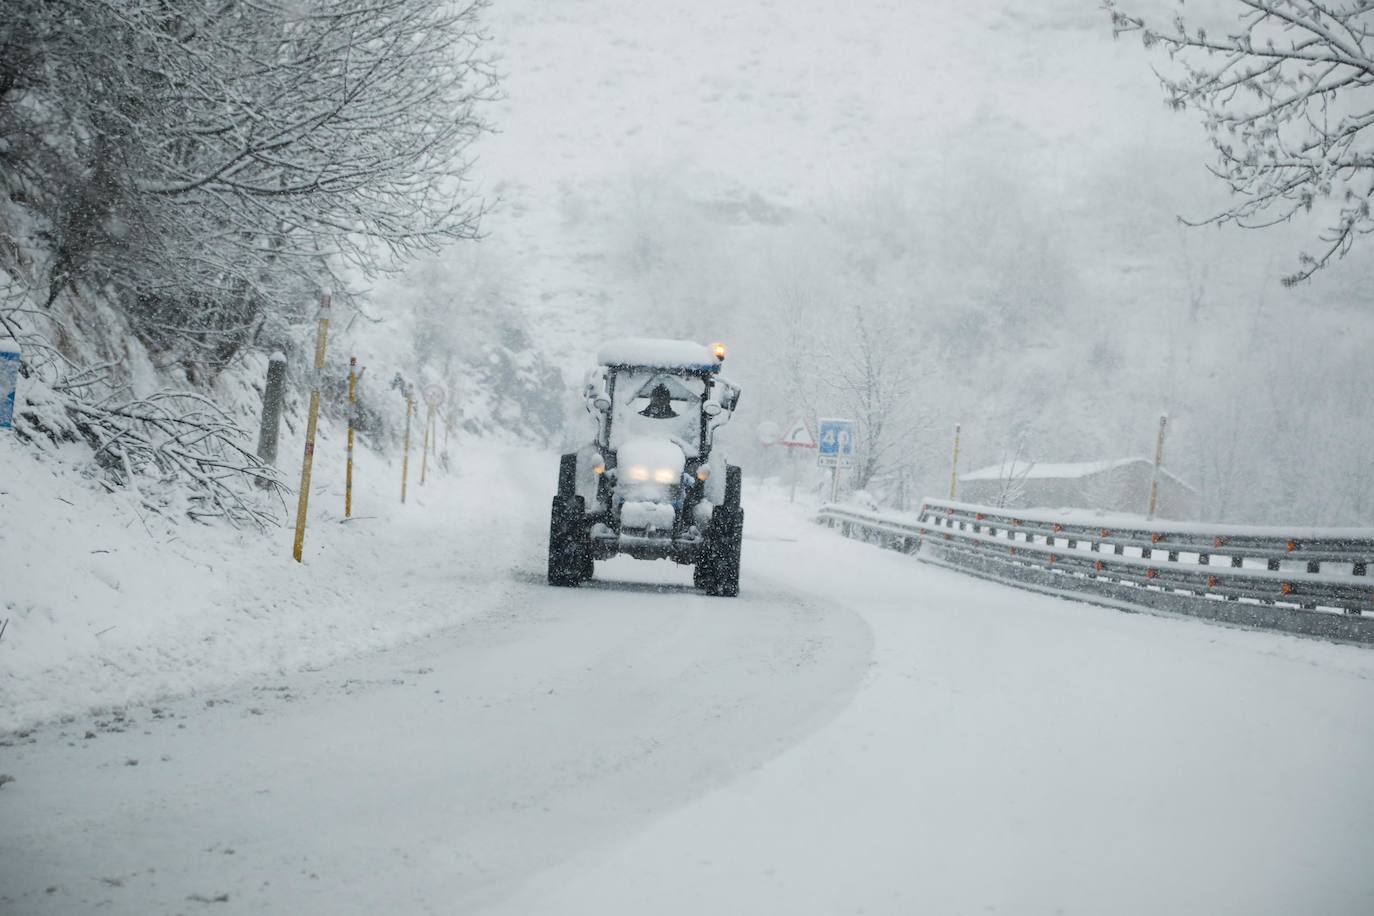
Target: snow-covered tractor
[651, 485]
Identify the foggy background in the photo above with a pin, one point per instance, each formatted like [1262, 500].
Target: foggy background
[914, 214]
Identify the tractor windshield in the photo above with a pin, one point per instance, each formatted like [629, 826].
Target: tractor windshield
[657, 404]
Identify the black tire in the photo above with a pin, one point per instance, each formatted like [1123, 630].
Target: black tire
[568, 553]
[702, 576]
[567, 475]
[723, 544]
[734, 485]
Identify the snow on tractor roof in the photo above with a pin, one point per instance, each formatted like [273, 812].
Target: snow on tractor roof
[657, 354]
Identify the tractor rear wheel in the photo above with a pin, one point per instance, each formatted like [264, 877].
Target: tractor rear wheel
[702, 576]
[723, 542]
[569, 557]
[718, 572]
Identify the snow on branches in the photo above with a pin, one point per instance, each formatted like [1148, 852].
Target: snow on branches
[1287, 96]
[144, 444]
[210, 163]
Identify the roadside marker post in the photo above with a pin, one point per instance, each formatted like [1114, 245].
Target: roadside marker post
[312, 424]
[434, 398]
[954, 465]
[352, 406]
[273, 394]
[798, 436]
[1159, 460]
[405, 453]
[424, 451]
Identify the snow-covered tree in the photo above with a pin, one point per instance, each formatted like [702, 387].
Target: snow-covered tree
[210, 164]
[1287, 96]
[871, 376]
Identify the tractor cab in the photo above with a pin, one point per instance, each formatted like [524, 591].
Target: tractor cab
[650, 484]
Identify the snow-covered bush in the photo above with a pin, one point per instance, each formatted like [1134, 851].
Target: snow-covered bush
[176, 451]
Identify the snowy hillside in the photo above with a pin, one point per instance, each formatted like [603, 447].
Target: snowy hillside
[997, 187]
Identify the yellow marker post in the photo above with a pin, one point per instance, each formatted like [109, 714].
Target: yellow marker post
[434, 429]
[954, 466]
[424, 454]
[1159, 460]
[311, 425]
[405, 455]
[352, 402]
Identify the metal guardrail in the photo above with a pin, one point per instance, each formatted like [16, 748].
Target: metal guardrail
[1311, 581]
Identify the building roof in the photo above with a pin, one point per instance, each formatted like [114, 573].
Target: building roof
[1039, 470]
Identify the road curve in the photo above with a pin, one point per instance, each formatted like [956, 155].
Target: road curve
[436, 777]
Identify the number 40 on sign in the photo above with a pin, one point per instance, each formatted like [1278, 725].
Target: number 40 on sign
[836, 446]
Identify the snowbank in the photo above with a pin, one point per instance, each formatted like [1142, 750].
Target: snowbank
[109, 604]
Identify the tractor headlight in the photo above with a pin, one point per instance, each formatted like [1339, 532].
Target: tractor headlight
[665, 475]
[638, 472]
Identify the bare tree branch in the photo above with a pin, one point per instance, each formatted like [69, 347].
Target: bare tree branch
[1287, 99]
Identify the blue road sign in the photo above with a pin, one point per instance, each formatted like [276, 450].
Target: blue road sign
[9, 381]
[836, 445]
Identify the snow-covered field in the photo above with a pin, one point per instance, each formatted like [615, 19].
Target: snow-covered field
[856, 733]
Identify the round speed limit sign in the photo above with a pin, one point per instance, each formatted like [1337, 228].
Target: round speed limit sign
[435, 394]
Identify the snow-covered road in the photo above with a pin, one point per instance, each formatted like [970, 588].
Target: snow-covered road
[856, 733]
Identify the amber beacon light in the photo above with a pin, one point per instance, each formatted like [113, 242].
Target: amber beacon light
[719, 350]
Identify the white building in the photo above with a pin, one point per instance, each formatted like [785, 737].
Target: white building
[1120, 485]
